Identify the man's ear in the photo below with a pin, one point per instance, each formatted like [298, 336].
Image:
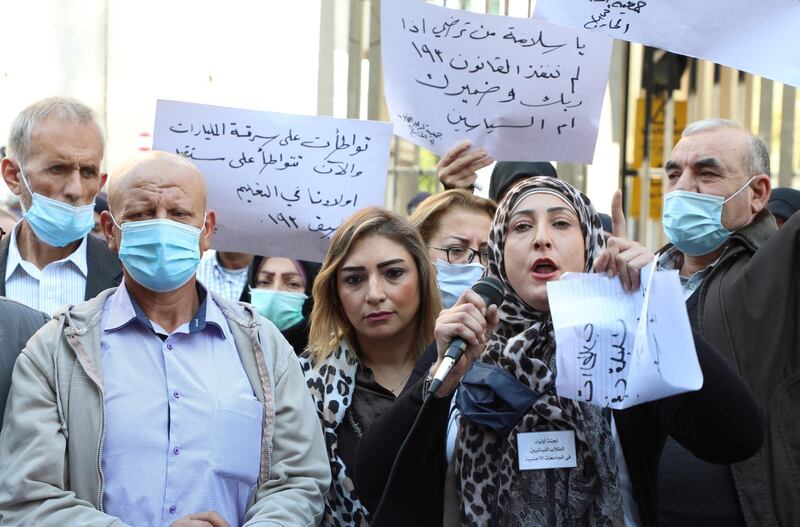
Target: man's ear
[10, 169]
[112, 237]
[762, 187]
[208, 231]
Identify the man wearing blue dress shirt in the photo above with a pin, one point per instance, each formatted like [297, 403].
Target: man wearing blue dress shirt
[160, 403]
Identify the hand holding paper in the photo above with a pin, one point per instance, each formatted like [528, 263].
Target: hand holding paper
[617, 349]
[622, 257]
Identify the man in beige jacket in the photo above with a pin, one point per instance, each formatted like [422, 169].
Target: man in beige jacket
[158, 402]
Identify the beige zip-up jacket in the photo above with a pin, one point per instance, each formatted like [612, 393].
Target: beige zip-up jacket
[51, 443]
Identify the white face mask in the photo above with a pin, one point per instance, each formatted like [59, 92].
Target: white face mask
[454, 279]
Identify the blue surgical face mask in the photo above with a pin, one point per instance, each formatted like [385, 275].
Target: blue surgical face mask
[454, 279]
[54, 222]
[282, 308]
[693, 221]
[160, 255]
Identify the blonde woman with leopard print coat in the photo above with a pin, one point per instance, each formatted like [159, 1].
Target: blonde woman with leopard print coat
[375, 306]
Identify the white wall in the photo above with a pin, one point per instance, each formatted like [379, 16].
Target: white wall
[260, 54]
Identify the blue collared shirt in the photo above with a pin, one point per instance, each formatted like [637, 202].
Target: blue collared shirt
[183, 427]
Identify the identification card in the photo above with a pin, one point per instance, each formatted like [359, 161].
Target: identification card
[541, 450]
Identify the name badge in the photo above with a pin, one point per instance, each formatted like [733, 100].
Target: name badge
[541, 450]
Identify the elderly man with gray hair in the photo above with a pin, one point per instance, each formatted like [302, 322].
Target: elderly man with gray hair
[54, 153]
[159, 402]
[741, 281]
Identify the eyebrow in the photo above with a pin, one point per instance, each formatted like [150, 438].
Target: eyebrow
[705, 162]
[531, 212]
[710, 162]
[273, 273]
[380, 265]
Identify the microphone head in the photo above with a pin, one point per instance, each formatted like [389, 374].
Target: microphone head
[491, 290]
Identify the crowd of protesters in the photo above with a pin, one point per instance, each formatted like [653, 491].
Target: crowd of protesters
[147, 380]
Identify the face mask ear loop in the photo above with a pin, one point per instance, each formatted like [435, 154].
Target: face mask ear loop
[114, 220]
[740, 190]
[27, 186]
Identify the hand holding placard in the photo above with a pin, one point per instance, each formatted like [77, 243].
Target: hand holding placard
[617, 349]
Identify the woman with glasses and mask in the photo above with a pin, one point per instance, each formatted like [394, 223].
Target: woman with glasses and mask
[455, 226]
[542, 229]
[280, 289]
[375, 305]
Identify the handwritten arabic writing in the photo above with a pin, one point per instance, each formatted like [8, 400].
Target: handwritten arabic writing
[279, 183]
[514, 86]
[615, 364]
[611, 346]
[261, 155]
[613, 15]
[756, 37]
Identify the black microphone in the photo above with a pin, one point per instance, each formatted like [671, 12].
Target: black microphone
[491, 291]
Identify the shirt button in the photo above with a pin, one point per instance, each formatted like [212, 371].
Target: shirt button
[169, 347]
[172, 509]
[176, 451]
[176, 395]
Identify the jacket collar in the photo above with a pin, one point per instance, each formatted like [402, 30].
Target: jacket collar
[756, 232]
[81, 325]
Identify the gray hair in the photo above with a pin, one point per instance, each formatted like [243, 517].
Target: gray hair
[756, 160]
[63, 108]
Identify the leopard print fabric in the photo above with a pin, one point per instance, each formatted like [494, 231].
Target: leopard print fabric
[492, 489]
[332, 385]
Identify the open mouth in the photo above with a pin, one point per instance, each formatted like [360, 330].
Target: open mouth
[544, 268]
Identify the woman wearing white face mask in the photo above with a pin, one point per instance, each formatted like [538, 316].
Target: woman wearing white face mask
[280, 289]
[455, 226]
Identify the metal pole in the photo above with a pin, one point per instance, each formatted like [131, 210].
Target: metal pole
[623, 165]
[645, 175]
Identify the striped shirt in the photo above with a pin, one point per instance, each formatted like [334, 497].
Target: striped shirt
[228, 283]
[59, 283]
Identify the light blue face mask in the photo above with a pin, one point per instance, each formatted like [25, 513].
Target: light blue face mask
[693, 221]
[282, 308]
[160, 255]
[454, 279]
[54, 222]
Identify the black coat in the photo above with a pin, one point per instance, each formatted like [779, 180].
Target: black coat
[18, 323]
[748, 308]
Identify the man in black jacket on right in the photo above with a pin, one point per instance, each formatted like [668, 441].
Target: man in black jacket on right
[741, 280]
